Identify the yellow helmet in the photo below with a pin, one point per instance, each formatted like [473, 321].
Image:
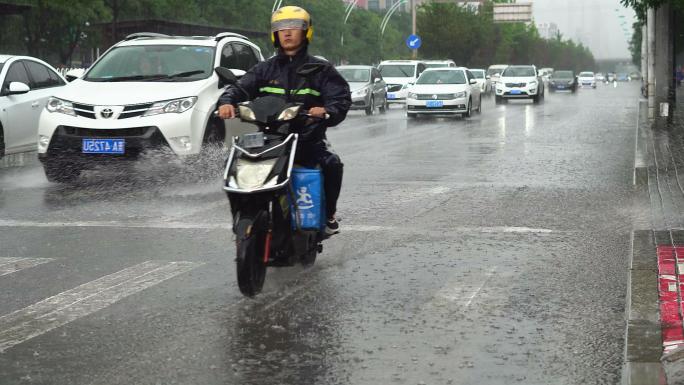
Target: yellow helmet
[291, 17]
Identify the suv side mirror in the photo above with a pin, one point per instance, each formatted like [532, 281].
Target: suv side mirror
[377, 80]
[17, 88]
[473, 81]
[226, 76]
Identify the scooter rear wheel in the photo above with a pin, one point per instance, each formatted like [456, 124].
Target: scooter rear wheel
[251, 240]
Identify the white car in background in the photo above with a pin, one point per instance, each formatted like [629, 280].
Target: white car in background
[26, 83]
[494, 73]
[398, 74]
[586, 79]
[149, 93]
[482, 79]
[520, 82]
[444, 91]
[439, 63]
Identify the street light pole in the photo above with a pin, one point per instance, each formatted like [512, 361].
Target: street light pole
[413, 25]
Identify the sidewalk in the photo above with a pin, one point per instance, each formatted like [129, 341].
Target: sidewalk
[654, 349]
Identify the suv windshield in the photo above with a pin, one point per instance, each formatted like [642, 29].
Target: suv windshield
[478, 74]
[493, 71]
[179, 63]
[436, 65]
[563, 75]
[586, 75]
[442, 77]
[518, 71]
[397, 70]
[358, 75]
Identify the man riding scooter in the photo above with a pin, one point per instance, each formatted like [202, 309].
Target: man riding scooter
[325, 96]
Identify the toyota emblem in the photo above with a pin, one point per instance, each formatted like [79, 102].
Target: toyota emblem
[107, 113]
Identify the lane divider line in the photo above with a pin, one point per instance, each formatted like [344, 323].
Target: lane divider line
[12, 265]
[68, 306]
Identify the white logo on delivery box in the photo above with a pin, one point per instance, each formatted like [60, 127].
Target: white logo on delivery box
[304, 199]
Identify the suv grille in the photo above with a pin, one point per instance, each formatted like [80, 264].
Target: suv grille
[84, 110]
[107, 133]
[129, 111]
[511, 85]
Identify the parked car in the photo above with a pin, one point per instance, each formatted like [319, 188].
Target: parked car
[520, 82]
[27, 83]
[563, 80]
[586, 79]
[439, 63]
[367, 87]
[149, 92]
[545, 73]
[494, 72]
[444, 91]
[483, 80]
[398, 74]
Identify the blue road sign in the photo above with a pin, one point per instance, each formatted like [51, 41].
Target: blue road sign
[413, 41]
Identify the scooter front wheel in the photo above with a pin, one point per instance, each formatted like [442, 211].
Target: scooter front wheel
[251, 241]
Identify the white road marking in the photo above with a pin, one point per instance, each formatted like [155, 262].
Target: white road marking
[56, 311]
[461, 292]
[227, 226]
[12, 265]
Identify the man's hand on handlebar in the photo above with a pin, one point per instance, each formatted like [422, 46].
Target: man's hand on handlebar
[318, 112]
[226, 111]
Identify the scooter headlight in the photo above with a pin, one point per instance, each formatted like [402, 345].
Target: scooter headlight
[246, 113]
[252, 175]
[289, 113]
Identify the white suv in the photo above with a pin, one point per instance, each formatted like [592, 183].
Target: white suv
[149, 92]
[520, 82]
[398, 75]
[26, 83]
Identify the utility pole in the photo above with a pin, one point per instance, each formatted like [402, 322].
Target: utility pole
[413, 25]
[650, 20]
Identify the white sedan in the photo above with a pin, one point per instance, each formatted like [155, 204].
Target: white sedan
[444, 91]
[27, 83]
[586, 79]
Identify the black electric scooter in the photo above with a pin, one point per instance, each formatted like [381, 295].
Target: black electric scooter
[278, 209]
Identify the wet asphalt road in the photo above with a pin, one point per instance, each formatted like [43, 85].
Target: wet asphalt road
[491, 250]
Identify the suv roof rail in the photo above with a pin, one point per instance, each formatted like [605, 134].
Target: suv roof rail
[138, 35]
[223, 35]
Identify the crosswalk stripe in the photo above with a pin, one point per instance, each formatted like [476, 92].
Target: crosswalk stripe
[12, 265]
[56, 311]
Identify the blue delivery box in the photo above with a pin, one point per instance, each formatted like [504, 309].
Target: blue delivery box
[309, 210]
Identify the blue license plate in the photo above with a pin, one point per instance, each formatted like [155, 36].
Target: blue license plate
[516, 92]
[434, 103]
[104, 146]
[391, 95]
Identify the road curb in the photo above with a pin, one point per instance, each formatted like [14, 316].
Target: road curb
[643, 340]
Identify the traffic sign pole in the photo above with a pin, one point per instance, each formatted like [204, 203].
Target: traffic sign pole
[413, 25]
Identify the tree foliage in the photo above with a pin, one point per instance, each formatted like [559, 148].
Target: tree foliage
[472, 39]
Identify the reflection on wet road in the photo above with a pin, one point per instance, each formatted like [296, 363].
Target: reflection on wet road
[490, 250]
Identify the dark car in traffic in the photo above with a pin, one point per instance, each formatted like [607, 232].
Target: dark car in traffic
[563, 81]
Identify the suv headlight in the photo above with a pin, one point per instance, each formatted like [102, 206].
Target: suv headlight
[176, 106]
[59, 105]
[412, 95]
[362, 92]
[461, 94]
[533, 83]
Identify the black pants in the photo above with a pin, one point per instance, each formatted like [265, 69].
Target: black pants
[320, 153]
